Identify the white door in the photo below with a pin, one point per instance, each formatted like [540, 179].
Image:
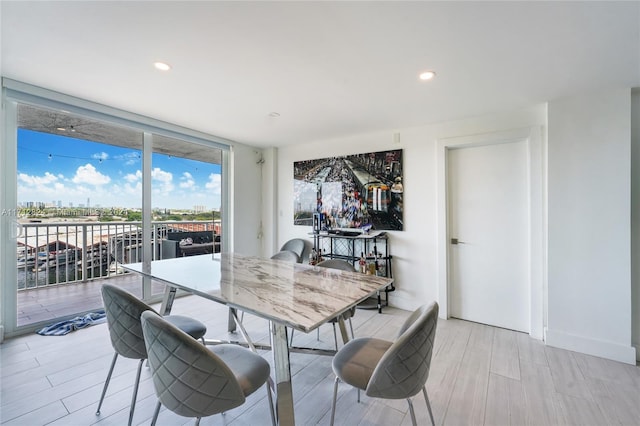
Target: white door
[488, 234]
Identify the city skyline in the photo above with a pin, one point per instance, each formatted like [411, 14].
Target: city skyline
[54, 168]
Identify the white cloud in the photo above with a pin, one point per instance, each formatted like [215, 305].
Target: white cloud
[121, 187]
[160, 175]
[37, 180]
[186, 181]
[89, 175]
[214, 183]
[133, 189]
[165, 179]
[133, 177]
[100, 156]
[129, 158]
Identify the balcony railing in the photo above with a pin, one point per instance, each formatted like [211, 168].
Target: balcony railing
[57, 253]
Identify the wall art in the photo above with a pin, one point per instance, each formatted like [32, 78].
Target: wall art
[353, 191]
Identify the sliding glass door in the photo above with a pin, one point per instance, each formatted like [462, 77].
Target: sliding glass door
[92, 192]
[186, 183]
[77, 212]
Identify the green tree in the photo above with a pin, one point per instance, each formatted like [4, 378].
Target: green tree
[133, 216]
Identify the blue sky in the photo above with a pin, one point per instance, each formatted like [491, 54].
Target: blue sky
[54, 168]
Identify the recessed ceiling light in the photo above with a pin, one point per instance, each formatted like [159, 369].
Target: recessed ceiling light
[427, 75]
[162, 66]
[61, 129]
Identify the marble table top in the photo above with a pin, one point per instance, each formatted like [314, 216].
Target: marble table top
[296, 295]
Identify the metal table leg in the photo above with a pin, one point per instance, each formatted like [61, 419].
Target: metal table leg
[343, 330]
[231, 324]
[167, 300]
[284, 393]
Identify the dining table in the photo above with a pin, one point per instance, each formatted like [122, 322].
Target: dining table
[288, 295]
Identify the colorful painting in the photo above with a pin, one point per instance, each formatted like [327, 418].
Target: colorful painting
[353, 191]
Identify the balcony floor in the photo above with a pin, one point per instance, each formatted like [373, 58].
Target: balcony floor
[48, 303]
[480, 375]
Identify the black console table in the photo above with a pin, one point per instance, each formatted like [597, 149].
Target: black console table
[352, 246]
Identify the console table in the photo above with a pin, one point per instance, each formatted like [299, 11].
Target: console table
[374, 247]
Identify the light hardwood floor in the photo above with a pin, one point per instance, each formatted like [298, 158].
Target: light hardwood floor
[480, 375]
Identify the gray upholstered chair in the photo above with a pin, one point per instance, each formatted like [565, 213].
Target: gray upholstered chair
[391, 370]
[343, 266]
[287, 256]
[295, 245]
[195, 381]
[123, 311]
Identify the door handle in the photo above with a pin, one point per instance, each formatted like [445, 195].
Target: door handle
[455, 241]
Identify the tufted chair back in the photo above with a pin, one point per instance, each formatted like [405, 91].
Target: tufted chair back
[287, 256]
[189, 379]
[295, 245]
[123, 311]
[404, 368]
[337, 264]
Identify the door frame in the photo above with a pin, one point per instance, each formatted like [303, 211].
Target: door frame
[533, 137]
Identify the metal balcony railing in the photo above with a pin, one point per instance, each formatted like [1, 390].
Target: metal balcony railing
[58, 253]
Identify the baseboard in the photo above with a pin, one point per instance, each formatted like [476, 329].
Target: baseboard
[397, 301]
[1, 333]
[589, 346]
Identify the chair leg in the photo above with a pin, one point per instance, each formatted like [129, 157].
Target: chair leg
[335, 397]
[197, 421]
[353, 336]
[155, 414]
[358, 392]
[271, 407]
[335, 335]
[106, 383]
[135, 392]
[291, 339]
[413, 414]
[318, 334]
[426, 399]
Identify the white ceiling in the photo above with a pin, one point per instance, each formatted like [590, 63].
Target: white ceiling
[330, 69]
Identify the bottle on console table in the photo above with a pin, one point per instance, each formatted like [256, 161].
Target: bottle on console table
[362, 263]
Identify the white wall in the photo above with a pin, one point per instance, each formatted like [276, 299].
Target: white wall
[589, 204]
[3, 235]
[269, 212]
[635, 219]
[246, 195]
[589, 261]
[414, 250]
